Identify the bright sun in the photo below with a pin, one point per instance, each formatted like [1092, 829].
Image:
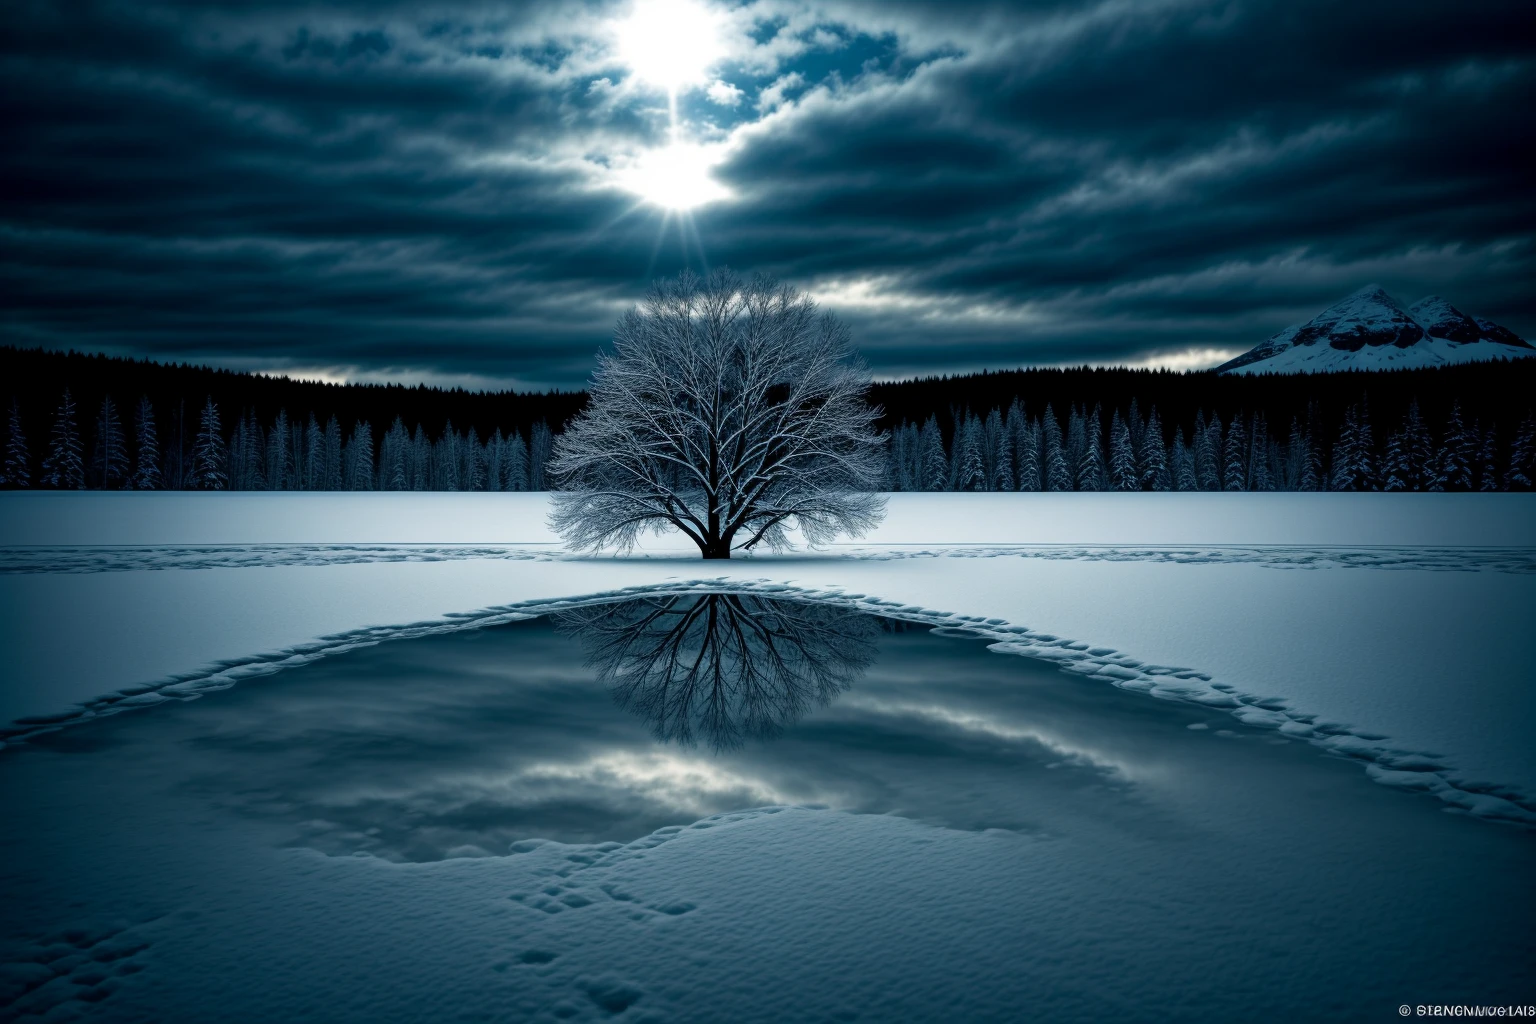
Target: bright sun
[675, 177]
[670, 44]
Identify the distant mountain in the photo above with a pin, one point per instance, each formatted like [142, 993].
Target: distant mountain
[1370, 330]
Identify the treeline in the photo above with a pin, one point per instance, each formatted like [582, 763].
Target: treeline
[112, 453]
[75, 420]
[1088, 451]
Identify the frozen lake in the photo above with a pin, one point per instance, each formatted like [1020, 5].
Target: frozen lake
[730, 807]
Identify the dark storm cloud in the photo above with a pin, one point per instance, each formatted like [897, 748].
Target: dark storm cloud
[391, 190]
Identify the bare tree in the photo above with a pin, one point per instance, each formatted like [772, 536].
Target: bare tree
[729, 411]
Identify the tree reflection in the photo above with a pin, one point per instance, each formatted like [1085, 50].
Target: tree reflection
[729, 667]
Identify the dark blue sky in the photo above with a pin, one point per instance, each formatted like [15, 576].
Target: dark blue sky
[455, 192]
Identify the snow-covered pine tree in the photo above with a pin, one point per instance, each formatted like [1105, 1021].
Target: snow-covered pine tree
[17, 468]
[421, 460]
[1365, 459]
[1258, 455]
[540, 440]
[1342, 474]
[1016, 425]
[1487, 460]
[895, 459]
[1122, 458]
[359, 474]
[1091, 475]
[1184, 478]
[1057, 471]
[1522, 457]
[495, 461]
[314, 455]
[1136, 429]
[394, 457]
[109, 459]
[279, 456]
[445, 460]
[64, 466]
[146, 466]
[1234, 457]
[1000, 449]
[1153, 459]
[967, 472]
[1457, 451]
[1207, 450]
[1297, 458]
[330, 455]
[209, 460]
[474, 462]
[516, 456]
[1027, 454]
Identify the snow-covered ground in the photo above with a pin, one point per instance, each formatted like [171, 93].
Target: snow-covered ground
[1393, 627]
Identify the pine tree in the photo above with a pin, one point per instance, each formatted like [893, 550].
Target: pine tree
[474, 462]
[1028, 455]
[1122, 458]
[17, 470]
[314, 454]
[1522, 457]
[359, 473]
[330, 461]
[209, 471]
[1234, 461]
[967, 473]
[1258, 455]
[1207, 452]
[109, 461]
[1153, 461]
[517, 462]
[1184, 478]
[146, 467]
[279, 455]
[1457, 451]
[1407, 465]
[1057, 472]
[1090, 464]
[1487, 460]
[64, 467]
[539, 442]
[1000, 447]
[935, 464]
[1345, 451]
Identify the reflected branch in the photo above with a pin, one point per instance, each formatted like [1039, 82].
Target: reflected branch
[729, 667]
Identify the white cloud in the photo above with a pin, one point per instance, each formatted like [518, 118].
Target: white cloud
[725, 94]
[772, 98]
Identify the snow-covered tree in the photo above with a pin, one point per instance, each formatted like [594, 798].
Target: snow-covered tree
[1234, 458]
[1457, 452]
[146, 464]
[728, 410]
[967, 472]
[540, 448]
[279, 454]
[209, 470]
[1057, 472]
[1122, 457]
[933, 463]
[1027, 455]
[359, 461]
[1487, 460]
[1522, 457]
[1408, 465]
[1207, 452]
[16, 471]
[64, 466]
[109, 459]
[1152, 457]
[1184, 478]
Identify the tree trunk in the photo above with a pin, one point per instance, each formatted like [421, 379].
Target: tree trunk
[717, 549]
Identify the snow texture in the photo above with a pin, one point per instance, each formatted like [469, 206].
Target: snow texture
[1369, 330]
[1407, 652]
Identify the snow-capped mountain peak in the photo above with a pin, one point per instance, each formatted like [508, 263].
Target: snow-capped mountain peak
[1370, 330]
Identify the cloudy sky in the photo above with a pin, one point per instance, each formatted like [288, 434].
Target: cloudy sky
[466, 192]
